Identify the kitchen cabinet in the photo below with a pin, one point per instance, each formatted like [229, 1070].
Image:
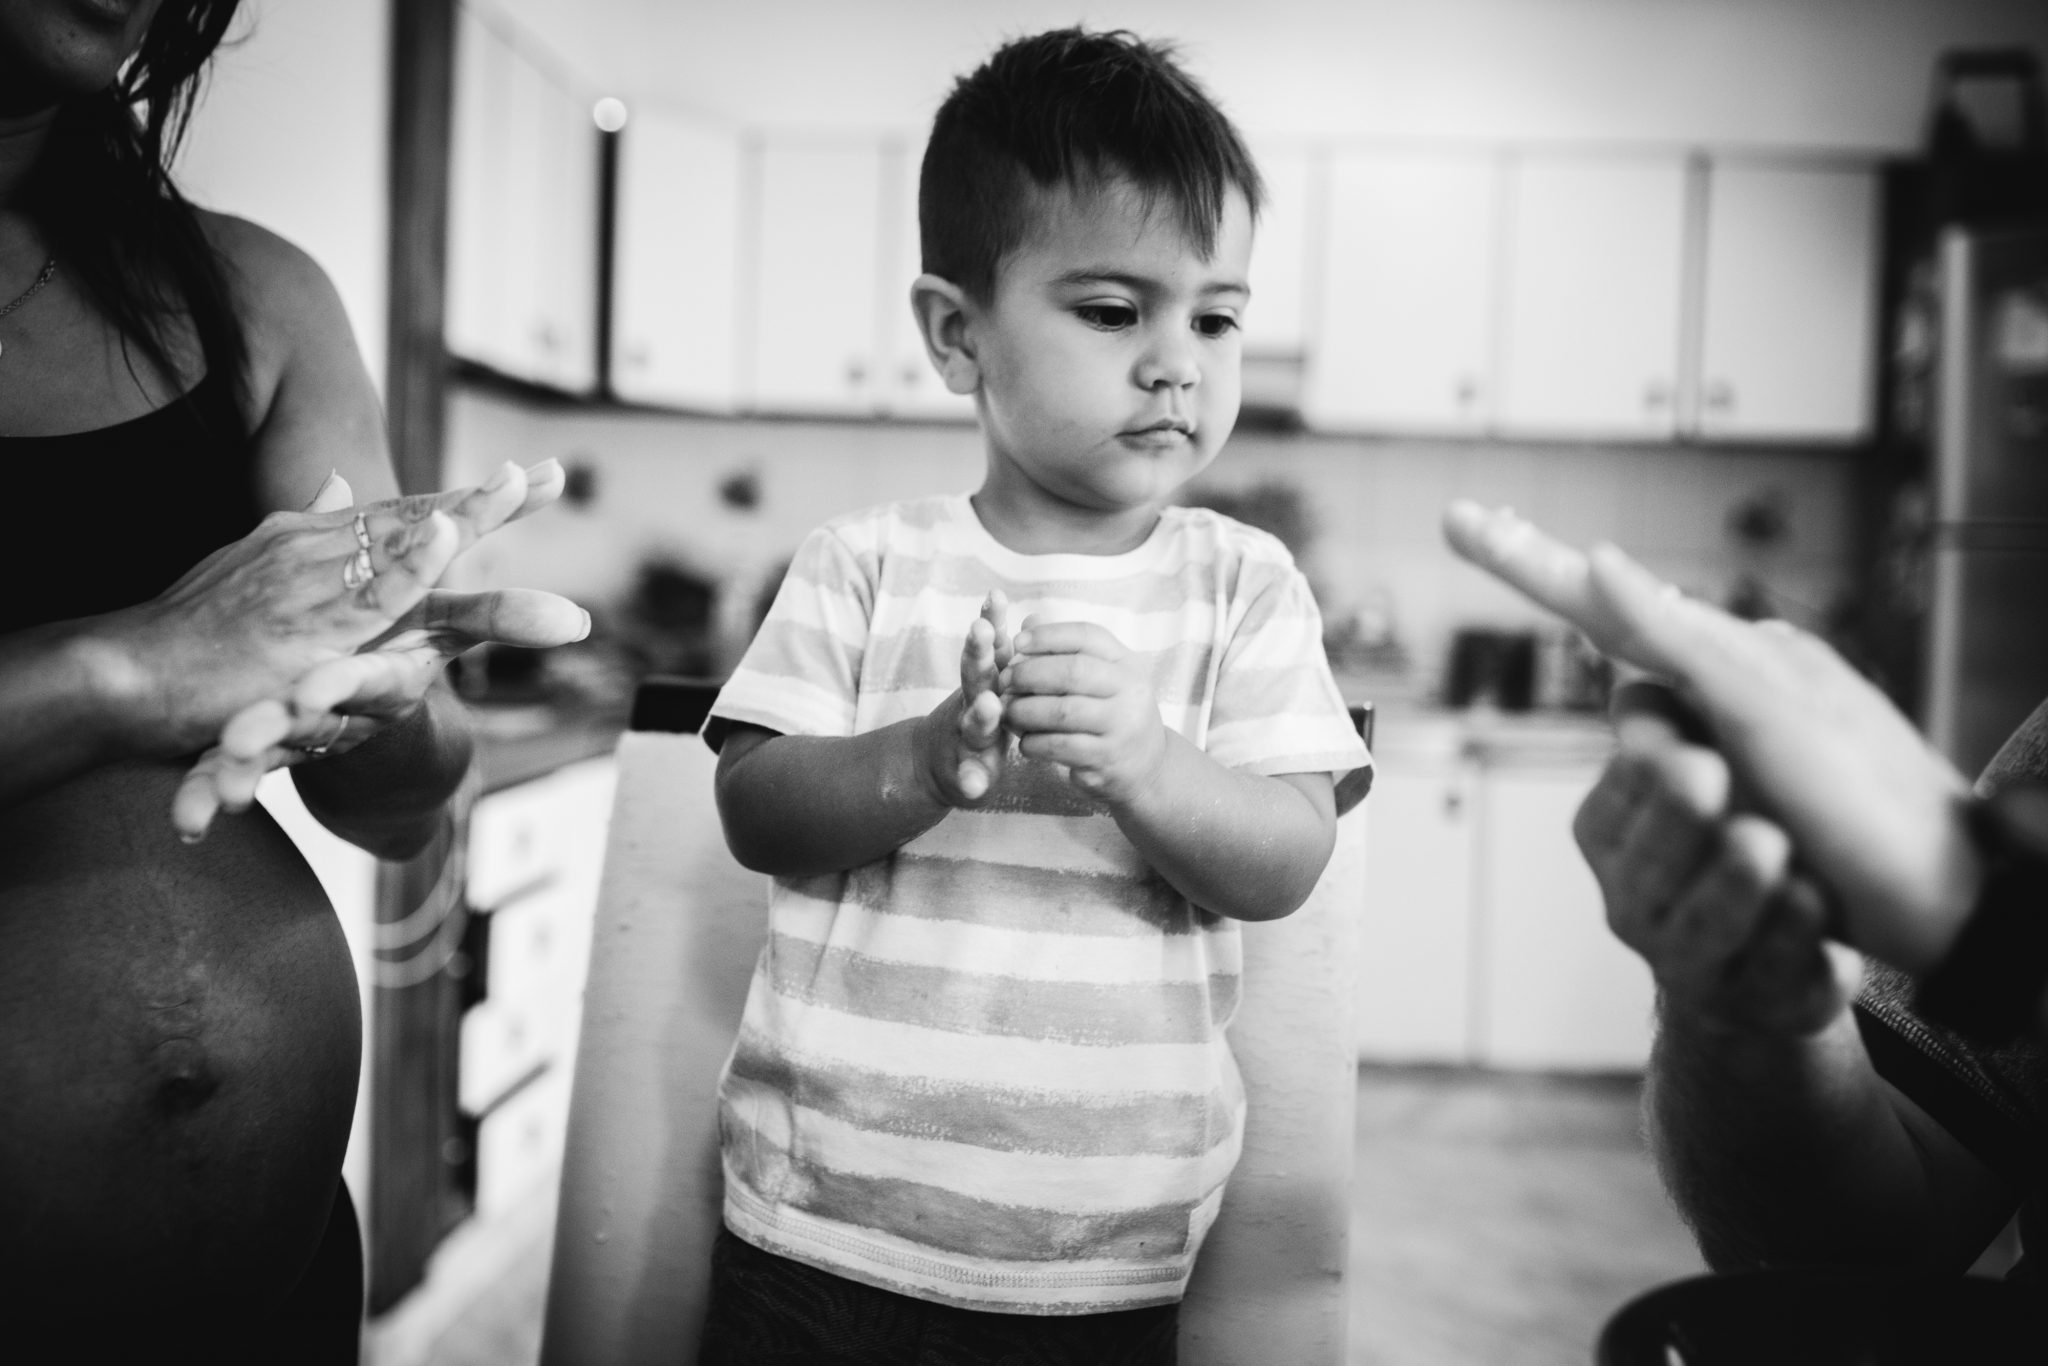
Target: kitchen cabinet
[1403, 333]
[1590, 324]
[1483, 937]
[1554, 989]
[523, 202]
[907, 384]
[815, 323]
[1414, 975]
[1276, 323]
[1786, 350]
[675, 295]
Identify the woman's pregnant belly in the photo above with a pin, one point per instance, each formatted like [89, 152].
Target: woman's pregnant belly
[179, 1042]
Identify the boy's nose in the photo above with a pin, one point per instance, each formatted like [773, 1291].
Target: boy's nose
[1169, 363]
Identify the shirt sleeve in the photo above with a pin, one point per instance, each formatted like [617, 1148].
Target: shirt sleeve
[800, 674]
[1277, 709]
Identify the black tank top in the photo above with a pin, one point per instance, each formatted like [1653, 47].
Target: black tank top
[112, 517]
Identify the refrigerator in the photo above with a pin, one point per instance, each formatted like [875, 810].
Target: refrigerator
[1986, 641]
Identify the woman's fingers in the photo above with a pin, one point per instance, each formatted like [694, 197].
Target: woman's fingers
[417, 558]
[333, 495]
[527, 617]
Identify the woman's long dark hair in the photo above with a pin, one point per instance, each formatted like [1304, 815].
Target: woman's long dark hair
[103, 196]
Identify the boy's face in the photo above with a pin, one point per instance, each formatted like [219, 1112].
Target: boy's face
[1109, 355]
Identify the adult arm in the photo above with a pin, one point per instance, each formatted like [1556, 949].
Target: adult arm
[1776, 1135]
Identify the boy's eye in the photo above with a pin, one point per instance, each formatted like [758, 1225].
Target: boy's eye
[1109, 317]
[1215, 325]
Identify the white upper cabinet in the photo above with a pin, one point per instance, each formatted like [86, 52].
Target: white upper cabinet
[675, 289]
[1595, 252]
[523, 207]
[1276, 323]
[1786, 349]
[1403, 327]
[819, 257]
[908, 385]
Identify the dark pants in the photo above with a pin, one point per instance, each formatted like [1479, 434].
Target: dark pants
[771, 1310]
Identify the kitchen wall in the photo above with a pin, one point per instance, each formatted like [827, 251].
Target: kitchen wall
[1375, 504]
[293, 132]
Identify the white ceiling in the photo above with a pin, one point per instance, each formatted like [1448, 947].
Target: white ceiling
[1831, 73]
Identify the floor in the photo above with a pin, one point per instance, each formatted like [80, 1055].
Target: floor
[1498, 1220]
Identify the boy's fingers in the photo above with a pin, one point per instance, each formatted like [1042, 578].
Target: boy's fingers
[1084, 675]
[981, 720]
[1068, 637]
[1057, 714]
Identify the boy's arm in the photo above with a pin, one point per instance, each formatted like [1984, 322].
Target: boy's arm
[1239, 844]
[796, 805]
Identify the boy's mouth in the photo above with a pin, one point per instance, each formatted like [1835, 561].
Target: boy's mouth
[1165, 428]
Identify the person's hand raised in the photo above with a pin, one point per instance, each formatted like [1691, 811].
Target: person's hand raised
[344, 699]
[1870, 806]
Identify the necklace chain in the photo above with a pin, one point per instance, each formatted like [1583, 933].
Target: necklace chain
[42, 278]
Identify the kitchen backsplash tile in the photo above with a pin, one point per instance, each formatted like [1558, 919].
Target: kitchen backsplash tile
[1374, 506]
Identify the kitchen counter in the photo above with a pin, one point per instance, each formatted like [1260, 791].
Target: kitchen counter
[1408, 731]
[517, 743]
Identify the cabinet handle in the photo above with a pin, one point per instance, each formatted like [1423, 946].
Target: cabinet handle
[638, 355]
[1656, 395]
[1454, 803]
[856, 373]
[1720, 396]
[1467, 391]
[913, 375]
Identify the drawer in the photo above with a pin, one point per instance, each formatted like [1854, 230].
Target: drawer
[502, 1041]
[519, 1144]
[550, 828]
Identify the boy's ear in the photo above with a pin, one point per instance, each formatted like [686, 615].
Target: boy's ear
[941, 309]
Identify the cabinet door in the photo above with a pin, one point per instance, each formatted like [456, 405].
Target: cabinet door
[522, 242]
[907, 385]
[1276, 323]
[481, 282]
[815, 343]
[1415, 963]
[1790, 284]
[674, 294]
[1403, 328]
[565, 212]
[1557, 990]
[1595, 255]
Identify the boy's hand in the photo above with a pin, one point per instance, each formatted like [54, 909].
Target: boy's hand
[961, 743]
[1076, 697]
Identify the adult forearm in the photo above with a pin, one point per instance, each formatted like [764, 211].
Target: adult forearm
[797, 805]
[386, 794]
[1787, 1150]
[68, 704]
[1240, 844]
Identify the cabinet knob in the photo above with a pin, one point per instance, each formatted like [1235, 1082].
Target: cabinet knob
[856, 373]
[1656, 395]
[913, 374]
[1467, 390]
[1720, 395]
[638, 355]
[1454, 802]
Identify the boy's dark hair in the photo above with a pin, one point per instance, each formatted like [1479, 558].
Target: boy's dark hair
[1070, 107]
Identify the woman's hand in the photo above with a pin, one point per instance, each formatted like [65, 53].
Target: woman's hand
[304, 588]
[1869, 805]
[345, 699]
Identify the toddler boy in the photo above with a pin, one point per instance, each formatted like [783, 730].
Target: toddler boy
[981, 1106]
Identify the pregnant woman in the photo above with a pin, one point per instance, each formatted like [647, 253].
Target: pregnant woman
[184, 421]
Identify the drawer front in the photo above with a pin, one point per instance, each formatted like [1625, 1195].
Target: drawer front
[502, 1042]
[519, 1145]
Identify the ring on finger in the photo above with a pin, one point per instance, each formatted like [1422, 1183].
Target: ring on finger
[362, 530]
[357, 570]
[340, 729]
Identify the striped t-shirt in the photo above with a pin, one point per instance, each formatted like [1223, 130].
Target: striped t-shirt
[990, 1069]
